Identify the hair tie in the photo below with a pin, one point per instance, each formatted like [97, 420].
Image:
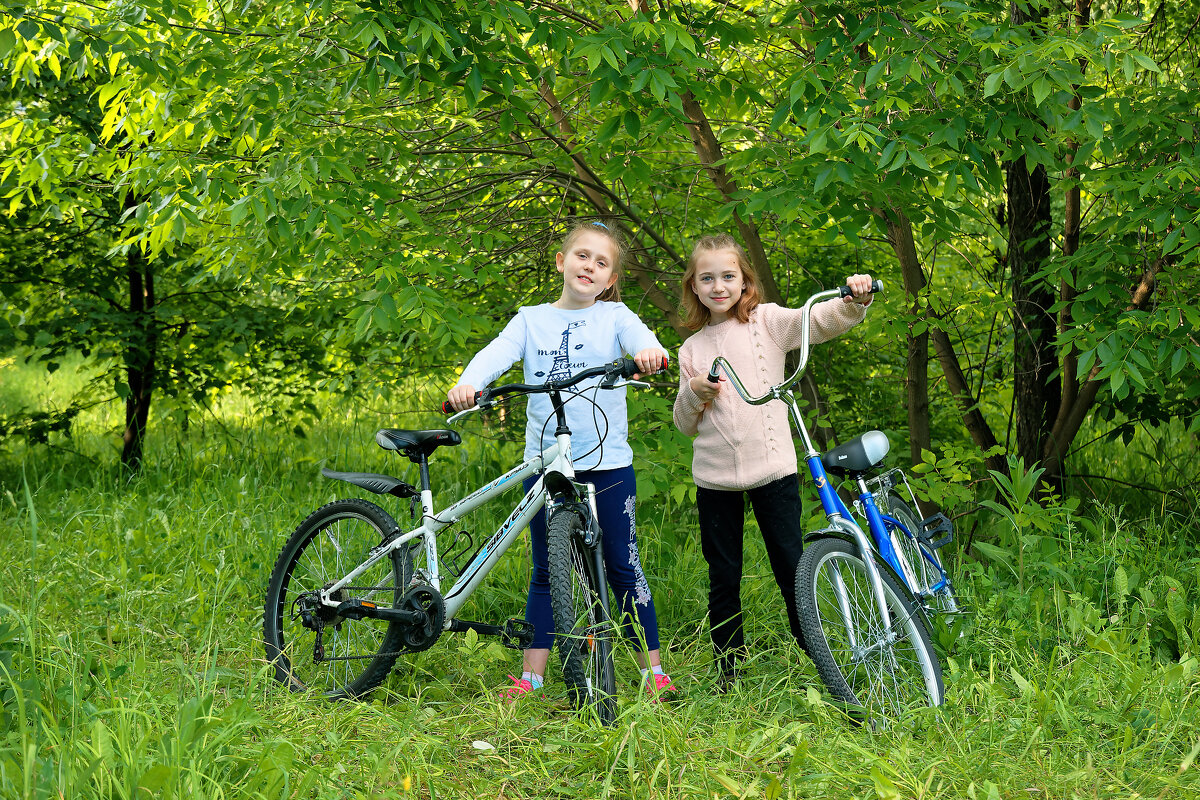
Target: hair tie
[599, 224]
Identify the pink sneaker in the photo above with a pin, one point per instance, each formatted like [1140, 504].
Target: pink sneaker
[520, 687]
[661, 689]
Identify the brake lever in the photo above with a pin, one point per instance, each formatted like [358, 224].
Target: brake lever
[626, 382]
[455, 417]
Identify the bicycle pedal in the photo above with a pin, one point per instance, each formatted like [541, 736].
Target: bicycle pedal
[937, 525]
[517, 633]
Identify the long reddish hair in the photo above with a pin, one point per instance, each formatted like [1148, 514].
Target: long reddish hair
[695, 314]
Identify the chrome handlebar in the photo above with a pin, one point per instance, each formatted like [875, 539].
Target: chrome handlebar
[776, 392]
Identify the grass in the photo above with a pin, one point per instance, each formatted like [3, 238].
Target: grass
[131, 664]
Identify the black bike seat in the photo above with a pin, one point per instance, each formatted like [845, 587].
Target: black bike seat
[416, 444]
[860, 454]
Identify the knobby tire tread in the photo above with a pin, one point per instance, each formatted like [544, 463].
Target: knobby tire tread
[564, 546]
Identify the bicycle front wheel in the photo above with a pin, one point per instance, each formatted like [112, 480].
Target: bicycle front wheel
[583, 630]
[881, 670]
[311, 646]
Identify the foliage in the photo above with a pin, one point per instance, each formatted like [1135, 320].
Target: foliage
[136, 664]
[395, 177]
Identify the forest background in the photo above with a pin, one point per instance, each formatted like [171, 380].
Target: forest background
[239, 237]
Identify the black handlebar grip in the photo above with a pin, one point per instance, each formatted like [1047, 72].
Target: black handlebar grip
[629, 367]
[876, 286]
[714, 373]
[449, 409]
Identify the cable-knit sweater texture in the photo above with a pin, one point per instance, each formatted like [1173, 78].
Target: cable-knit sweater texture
[738, 446]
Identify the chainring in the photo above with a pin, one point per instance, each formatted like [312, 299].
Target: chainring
[428, 600]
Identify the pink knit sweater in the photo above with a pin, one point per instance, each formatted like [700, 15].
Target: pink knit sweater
[739, 446]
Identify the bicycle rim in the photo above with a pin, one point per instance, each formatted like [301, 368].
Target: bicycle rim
[885, 671]
[924, 574]
[354, 655]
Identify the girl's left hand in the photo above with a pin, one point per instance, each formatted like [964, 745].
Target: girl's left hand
[861, 286]
[650, 361]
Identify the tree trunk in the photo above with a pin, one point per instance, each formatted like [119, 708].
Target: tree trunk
[1035, 390]
[1034, 357]
[1068, 424]
[141, 352]
[708, 149]
[956, 381]
[588, 186]
[1068, 360]
[916, 377]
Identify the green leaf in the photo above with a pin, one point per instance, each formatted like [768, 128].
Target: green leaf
[608, 130]
[475, 83]
[992, 83]
[237, 211]
[994, 553]
[1178, 362]
[1172, 241]
[874, 72]
[885, 788]
[633, 125]
[610, 57]
[1041, 90]
[8, 38]
[1144, 61]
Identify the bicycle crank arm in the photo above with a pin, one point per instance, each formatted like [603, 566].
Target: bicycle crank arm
[357, 608]
[515, 634]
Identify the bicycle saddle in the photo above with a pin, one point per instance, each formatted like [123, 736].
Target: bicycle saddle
[860, 454]
[416, 444]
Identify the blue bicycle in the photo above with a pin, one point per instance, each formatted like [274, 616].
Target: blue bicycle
[864, 592]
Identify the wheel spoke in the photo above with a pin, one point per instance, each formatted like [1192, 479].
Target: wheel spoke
[864, 662]
[356, 654]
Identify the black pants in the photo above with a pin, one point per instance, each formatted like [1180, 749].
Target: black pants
[722, 516]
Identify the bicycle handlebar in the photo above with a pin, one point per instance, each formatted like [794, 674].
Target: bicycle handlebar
[719, 363]
[621, 369]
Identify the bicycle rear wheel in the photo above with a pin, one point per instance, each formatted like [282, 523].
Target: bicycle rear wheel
[881, 671]
[312, 648]
[925, 575]
[583, 630]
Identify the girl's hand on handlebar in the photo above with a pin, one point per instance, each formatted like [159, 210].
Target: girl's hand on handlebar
[461, 397]
[705, 389]
[861, 286]
[650, 361]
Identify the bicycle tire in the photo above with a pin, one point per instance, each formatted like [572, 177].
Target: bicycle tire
[358, 653]
[924, 574]
[877, 680]
[583, 630]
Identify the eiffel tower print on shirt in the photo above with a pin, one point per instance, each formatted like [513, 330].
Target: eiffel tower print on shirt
[561, 368]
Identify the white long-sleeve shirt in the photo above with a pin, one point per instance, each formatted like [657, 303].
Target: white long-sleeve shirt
[555, 343]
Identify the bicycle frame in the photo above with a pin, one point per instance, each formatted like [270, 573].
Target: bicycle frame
[560, 470]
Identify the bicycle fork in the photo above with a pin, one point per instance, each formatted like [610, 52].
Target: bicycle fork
[591, 546]
[840, 519]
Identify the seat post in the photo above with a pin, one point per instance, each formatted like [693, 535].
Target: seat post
[423, 462]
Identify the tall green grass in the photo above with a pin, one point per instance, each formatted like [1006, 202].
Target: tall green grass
[131, 664]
